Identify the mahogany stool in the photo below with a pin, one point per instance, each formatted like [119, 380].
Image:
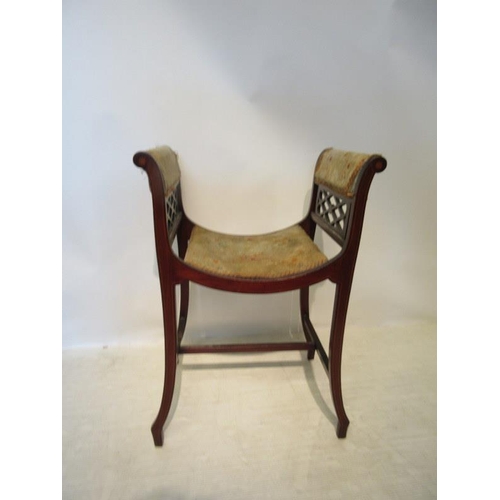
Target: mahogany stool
[276, 262]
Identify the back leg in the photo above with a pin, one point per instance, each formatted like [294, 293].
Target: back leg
[184, 309]
[182, 243]
[304, 314]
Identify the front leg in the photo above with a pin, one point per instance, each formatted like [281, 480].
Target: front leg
[341, 302]
[170, 335]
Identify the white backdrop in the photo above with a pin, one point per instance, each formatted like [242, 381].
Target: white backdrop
[248, 93]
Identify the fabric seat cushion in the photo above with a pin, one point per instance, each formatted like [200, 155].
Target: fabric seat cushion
[281, 253]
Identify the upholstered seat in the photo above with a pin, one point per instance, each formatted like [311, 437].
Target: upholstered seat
[281, 253]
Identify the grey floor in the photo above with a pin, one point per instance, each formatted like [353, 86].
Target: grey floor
[254, 426]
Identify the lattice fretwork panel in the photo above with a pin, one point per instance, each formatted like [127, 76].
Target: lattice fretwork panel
[334, 210]
[172, 208]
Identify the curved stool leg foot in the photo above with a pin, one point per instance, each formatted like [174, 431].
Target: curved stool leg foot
[157, 435]
[342, 428]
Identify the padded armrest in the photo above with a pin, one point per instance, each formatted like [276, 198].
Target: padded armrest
[166, 160]
[339, 170]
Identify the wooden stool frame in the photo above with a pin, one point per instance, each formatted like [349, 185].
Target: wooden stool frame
[170, 221]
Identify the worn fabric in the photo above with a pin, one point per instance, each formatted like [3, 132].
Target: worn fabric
[338, 170]
[166, 159]
[281, 253]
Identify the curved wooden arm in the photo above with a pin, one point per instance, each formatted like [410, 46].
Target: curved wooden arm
[162, 168]
[165, 160]
[341, 215]
[350, 247]
[341, 170]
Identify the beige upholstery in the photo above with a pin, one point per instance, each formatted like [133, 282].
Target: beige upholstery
[282, 253]
[166, 159]
[338, 170]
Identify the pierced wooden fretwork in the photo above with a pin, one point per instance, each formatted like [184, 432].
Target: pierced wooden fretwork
[334, 210]
[172, 211]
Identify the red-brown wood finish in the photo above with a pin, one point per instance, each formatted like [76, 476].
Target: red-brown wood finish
[174, 271]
